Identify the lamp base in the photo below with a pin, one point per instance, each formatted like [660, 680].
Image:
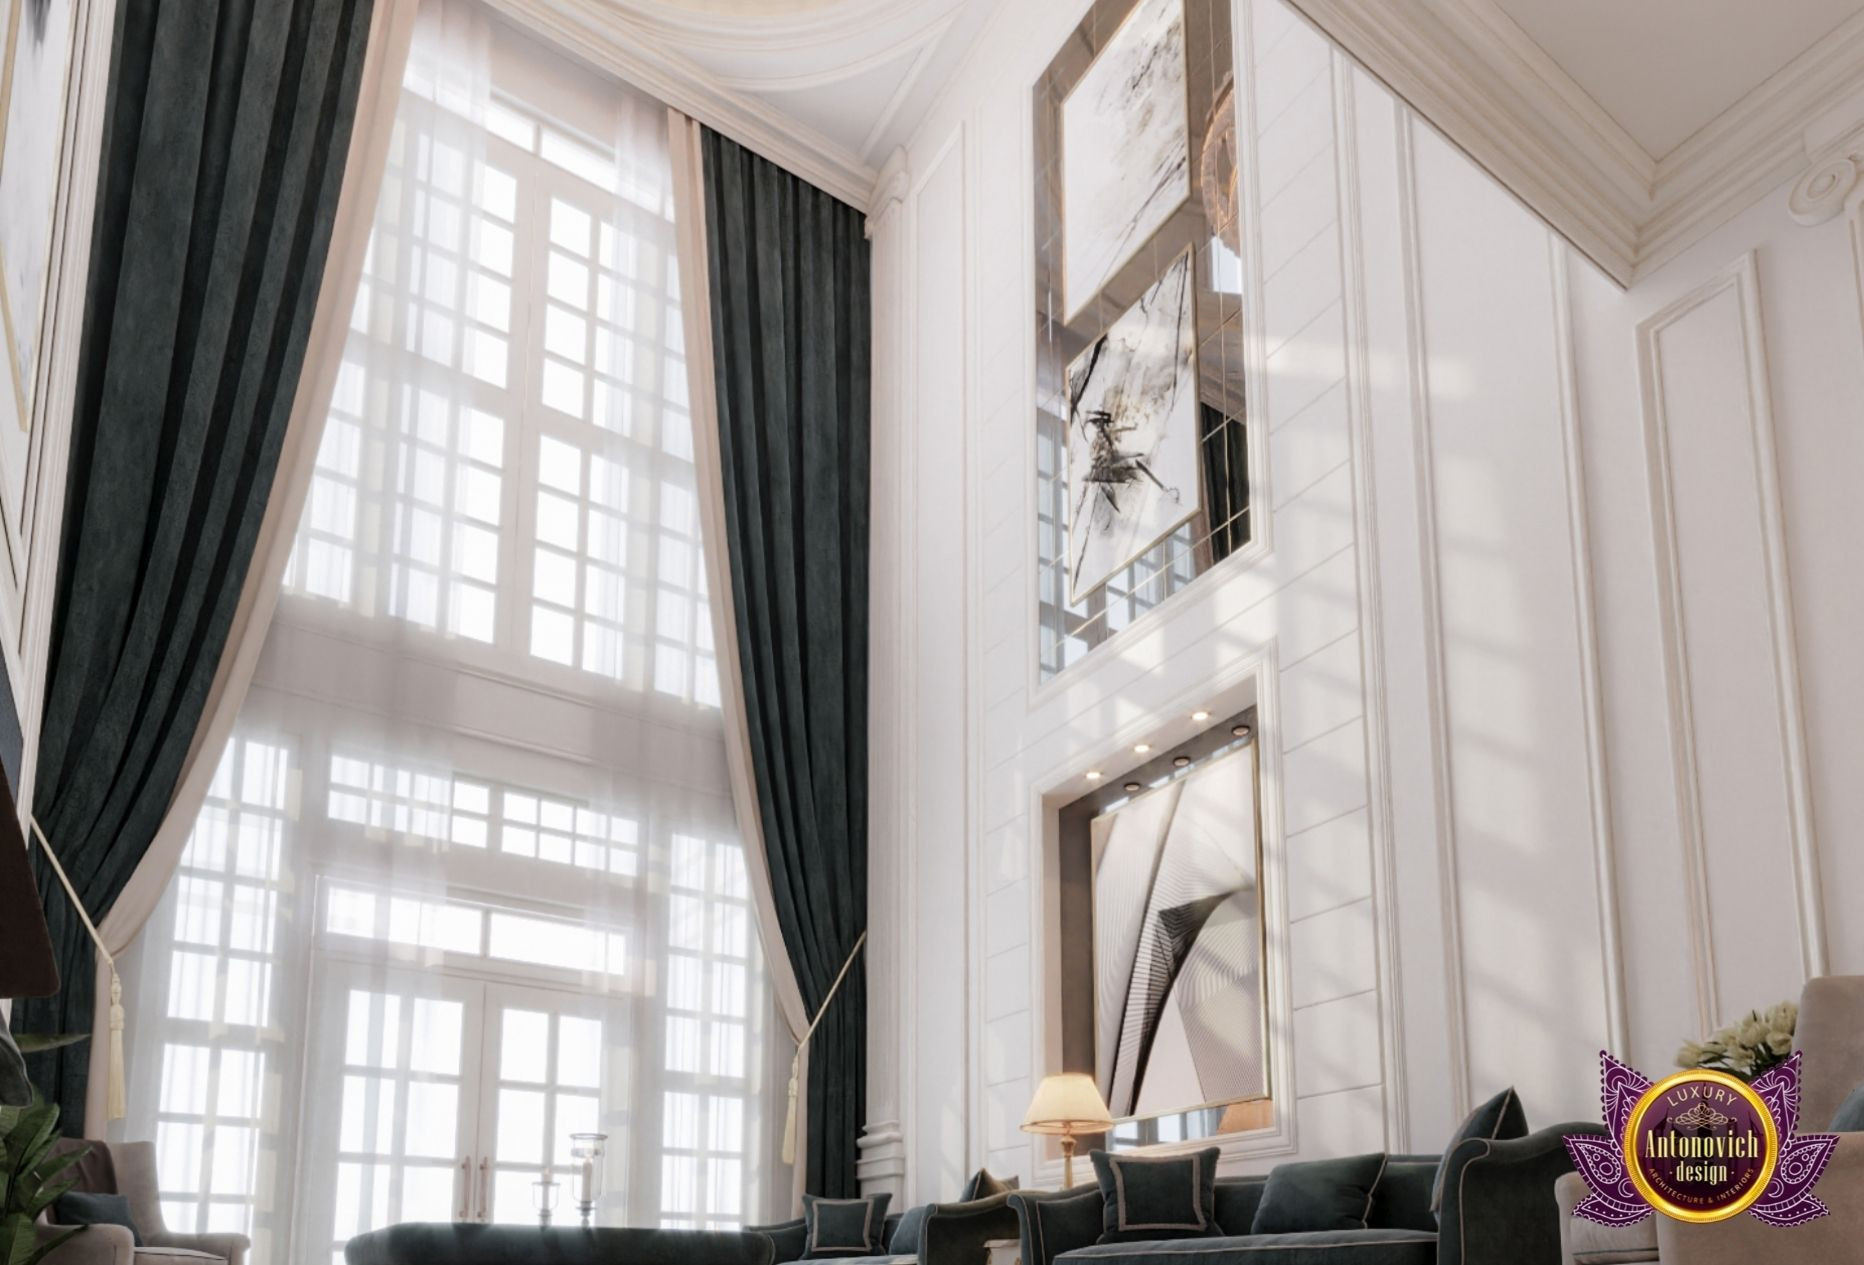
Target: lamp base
[1067, 1161]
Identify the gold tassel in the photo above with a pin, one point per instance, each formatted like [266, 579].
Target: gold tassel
[789, 1120]
[116, 1103]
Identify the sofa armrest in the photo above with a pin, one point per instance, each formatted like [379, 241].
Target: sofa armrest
[955, 1233]
[231, 1248]
[788, 1239]
[93, 1245]
[1580, 1236]
[1834, 1239]
[1498, 1199]
[1051, 1222]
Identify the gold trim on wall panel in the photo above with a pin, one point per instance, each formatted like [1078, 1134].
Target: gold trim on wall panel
[1437, 720]
[1740, 277]
[1611, 943]
[1371, 605]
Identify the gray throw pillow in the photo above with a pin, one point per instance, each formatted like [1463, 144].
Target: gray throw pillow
[845, 1227]
[1850, 1116]
[75, 1207]
[982, 1185]
[1146, 1197]
[1331, 1194]
[1499, 1117]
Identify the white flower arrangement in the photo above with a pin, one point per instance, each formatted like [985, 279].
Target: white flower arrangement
[1748, 1046]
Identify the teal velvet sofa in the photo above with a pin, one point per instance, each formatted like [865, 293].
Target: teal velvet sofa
[1498, 1208]
[938, 1234]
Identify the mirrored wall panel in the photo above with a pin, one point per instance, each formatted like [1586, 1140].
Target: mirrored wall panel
[1142, 468]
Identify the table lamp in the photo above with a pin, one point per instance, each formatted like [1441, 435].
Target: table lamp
[1064, 1105]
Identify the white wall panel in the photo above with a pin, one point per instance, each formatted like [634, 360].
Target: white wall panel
[1730, 661]
[1455, 447]
[938, 1133]
[1527, 887]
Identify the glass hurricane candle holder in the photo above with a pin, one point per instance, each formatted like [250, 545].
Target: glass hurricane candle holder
[587, 1150]
[544, 1194]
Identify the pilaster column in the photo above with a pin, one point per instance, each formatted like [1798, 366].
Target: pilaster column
[882, 1166]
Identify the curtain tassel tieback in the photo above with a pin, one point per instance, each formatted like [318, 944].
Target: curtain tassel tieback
[115, 1104]
[796, 1063]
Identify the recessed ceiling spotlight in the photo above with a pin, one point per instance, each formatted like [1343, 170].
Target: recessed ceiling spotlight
[1093, 775]
[1141, 748]
[1239, 731]
[1131, 787]
[1178, 762]
[1200, 715]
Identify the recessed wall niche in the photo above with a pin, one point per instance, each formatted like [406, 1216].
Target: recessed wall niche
[1162, 944]
[1195, 490]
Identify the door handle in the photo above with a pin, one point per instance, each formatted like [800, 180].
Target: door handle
[465, 1188]
[485, 1189]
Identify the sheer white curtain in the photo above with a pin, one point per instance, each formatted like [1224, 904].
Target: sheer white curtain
[468, 877]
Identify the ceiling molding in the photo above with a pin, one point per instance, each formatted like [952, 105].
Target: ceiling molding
[916, 45]
[1469, 70]
[774, 30]
[606, 37]
[1753, 147]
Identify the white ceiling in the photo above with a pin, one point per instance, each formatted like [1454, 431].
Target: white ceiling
[1663, 69]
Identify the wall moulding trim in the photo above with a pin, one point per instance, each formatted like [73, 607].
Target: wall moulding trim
[1598, 794]
[1255, 678]
[1436, 689]
[1371, 608]
[1740, 277]
[599, 35]
[1469, 69]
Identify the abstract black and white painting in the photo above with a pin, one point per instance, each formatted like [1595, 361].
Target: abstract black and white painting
[1178, 1005]
[37, 36]
[1125, 149]
[1133, 432]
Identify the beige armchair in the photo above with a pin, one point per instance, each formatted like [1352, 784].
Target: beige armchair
[1830, 1038]
[129, 1170]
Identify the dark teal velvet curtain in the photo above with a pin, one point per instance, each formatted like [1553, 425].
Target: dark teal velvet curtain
[227, 128]
[791, 337]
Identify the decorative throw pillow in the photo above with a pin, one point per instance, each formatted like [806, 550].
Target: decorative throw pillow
[845, 1227]
[1157, 1197]
[1499, 1117]
[1057, 1221]
[1319, 1195]
[77, 1208]
[1850, 1117]
[910, 1232]
[982, 1185]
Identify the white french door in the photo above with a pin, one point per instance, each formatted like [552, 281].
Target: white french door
[544, 1072]
[434, 1096]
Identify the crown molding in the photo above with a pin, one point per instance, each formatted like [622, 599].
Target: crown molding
[856, 21]
[1478, 78]
[612, 40]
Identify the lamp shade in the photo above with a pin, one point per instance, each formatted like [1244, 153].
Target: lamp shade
[1068, 1103]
